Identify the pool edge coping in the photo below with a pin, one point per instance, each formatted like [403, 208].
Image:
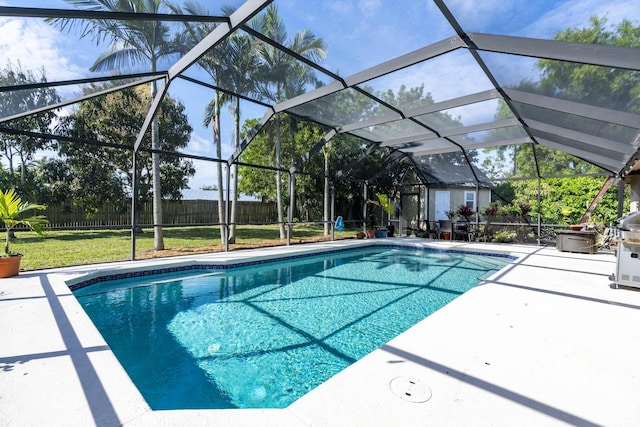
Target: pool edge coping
[88, 279]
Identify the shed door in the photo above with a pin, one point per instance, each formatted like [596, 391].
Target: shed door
[443, 204]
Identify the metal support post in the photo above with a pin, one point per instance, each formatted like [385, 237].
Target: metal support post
[364, 208]
[134, 208]
[333, 211]
[226, 210]
[539, 213]
[292, 203]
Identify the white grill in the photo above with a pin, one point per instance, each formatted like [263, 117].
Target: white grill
[628, 257]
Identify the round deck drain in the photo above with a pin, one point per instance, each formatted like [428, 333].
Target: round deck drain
[410, 389]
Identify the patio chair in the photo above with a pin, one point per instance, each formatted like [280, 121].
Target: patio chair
[445, 226]
[462, 230]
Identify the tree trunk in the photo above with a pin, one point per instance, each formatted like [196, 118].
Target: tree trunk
[234, 173]
[23, 169]
[326, 201]
[283, 234]
[216, 141]
[158, 239]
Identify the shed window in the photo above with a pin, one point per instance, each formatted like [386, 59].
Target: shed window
[470, 199]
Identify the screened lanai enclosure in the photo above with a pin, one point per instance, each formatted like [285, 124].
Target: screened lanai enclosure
[327, 109]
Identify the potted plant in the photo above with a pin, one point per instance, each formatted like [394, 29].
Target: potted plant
[390, 209]
[371, 227]
[11, 210]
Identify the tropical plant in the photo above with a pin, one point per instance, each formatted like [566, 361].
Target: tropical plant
[385, 204]
[465, 212]
[525, 209]
[490, 211]
[11, 209]
[282, 77]
[132, 42]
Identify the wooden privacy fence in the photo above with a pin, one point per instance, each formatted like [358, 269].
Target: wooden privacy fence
[185, 212]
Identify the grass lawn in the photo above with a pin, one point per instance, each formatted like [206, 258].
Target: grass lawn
[65, 248]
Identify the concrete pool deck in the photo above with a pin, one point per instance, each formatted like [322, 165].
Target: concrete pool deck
[546, 341]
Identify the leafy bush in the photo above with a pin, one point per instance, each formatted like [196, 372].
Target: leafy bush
[505, 236]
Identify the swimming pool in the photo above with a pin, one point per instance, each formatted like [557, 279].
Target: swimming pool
[264, 335]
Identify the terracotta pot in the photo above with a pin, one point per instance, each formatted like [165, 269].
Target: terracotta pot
[371, 234]
[10, 266]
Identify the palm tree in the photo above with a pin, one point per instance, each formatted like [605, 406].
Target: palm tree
[282, 76]
[132, 42]
[229, 65]
[215, 64]
[241, 62]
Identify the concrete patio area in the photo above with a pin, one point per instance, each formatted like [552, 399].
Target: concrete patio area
[546, 341]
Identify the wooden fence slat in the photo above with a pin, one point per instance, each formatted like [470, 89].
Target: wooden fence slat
[174, 212]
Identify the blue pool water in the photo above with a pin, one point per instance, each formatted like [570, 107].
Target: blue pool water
[265, 335]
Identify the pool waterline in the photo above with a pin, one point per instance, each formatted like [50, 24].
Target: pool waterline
[210, 350]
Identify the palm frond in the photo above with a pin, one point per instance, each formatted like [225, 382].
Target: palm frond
[118, 58]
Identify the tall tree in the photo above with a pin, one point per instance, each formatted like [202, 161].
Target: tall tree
[12, 102]
[111, 119]
[282, 76]
[220, 63]
[132, 42]
[241, 62]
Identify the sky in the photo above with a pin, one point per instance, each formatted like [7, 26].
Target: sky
[359, 34]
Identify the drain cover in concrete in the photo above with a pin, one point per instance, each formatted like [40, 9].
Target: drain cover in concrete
[410, 389]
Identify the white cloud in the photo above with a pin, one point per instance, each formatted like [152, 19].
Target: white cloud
[200, 146]
[369, 8]
[206, 175]
[447, 76]
[476, 15]
[576, 14]
[36, 45]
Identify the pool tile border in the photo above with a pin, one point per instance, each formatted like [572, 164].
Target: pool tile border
[212, 265]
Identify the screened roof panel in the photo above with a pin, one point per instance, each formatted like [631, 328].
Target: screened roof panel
[607, 130]
[431, 146]
[597, 155]
[399, 129]
[447, 76]
[485, 138]
[507, 161]
[553, 162]
[563, 80]
[354, 107]
[539, 19]
[65, 97]
[445, 167]
[386, 29]
[466, 115]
